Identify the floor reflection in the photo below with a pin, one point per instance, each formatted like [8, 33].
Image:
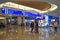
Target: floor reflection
[43, 34]
[18, 33]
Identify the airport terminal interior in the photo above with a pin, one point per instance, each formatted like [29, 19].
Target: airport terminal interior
[29, 20]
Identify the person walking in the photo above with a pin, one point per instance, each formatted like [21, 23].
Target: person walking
[36, 26]
[55, 27]
[32, 26]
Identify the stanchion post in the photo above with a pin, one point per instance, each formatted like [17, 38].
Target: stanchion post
[34, 26]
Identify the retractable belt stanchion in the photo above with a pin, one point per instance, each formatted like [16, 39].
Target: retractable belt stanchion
[10, 22]
[34, 26]
[25, 29]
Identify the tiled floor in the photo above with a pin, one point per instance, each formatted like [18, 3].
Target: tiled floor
[18, 33]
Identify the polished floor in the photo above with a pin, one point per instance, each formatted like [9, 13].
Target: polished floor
[18, 33]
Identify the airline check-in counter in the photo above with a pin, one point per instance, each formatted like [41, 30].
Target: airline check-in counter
[17, 15]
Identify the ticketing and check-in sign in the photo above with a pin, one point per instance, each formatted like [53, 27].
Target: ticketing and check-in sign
[11, 11]
[19, 12]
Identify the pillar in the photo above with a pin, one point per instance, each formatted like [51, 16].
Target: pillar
[19, 20]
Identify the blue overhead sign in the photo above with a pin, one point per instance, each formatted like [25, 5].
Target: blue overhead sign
[19, 12]
[11, 11]
[29, 14]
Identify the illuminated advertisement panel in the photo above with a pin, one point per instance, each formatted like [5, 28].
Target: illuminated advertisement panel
[51, 20]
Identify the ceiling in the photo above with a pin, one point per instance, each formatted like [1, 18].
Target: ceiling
[38, 5]
[35, 4]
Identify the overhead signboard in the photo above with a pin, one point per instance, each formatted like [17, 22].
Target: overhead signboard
[12, 11]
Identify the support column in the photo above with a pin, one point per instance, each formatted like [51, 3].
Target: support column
[19, 20]
[25, 27]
